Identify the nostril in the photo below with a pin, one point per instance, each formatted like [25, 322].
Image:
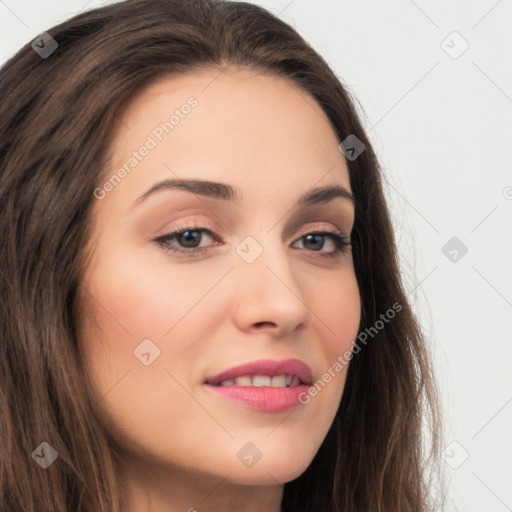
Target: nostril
[263, 324]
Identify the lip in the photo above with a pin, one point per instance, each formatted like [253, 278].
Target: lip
[269, 367]
[264, 398]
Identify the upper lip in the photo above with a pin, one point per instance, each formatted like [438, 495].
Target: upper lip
[270, 367]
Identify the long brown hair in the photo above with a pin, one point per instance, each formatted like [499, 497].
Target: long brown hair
[56, 121]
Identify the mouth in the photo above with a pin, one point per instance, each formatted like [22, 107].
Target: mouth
[277, 381]
[265, 385]
[265, 372]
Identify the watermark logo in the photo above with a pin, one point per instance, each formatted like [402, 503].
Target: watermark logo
[45, 455]
[454, 45]
[455, 455]
[249, 454]
[44, 45]
[249, 249]
[454, 249]
[351, 147]
[146, 352]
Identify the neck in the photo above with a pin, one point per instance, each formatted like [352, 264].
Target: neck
[152, 489]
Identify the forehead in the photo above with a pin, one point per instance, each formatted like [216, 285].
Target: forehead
[246, 128]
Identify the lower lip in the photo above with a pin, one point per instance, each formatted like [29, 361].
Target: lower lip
[263, 398]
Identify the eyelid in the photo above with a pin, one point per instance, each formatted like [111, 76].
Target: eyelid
[191, 225]
[202, 224]
[325, 228]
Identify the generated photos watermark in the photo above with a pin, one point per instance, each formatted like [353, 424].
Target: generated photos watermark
[343, 360]
[152, 140]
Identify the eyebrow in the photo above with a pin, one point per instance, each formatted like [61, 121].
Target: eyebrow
[226, 192]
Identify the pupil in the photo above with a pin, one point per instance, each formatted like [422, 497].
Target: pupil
[318, 238]
[190, 238]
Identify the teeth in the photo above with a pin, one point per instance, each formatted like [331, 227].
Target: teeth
[278, 381]
[261, 380]
[243, 381]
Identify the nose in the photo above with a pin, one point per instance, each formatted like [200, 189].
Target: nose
[270, 293]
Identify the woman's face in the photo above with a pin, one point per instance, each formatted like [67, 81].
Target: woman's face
[157, 325]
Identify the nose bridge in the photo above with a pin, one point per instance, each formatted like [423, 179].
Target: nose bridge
[266, 256]
[268, 289]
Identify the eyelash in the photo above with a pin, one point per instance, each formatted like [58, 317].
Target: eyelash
[340, 240]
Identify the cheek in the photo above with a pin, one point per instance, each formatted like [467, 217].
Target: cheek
[338, 307]
[133, 299]
[130, 304]
[141, 297]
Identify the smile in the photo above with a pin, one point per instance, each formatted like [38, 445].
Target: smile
[278, 381]
[264, 385]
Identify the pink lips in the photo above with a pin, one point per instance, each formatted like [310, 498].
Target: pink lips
[265, 398]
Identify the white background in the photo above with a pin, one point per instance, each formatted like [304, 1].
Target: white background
[442, 129]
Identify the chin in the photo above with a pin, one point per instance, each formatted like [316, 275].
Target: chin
[267, 475]
[277, 468]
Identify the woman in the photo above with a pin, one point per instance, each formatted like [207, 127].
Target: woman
[202, 306]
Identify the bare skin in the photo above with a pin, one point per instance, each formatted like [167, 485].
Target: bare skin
[210, 310]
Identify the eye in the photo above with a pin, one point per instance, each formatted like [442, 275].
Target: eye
[316, 242]
[189, 238]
